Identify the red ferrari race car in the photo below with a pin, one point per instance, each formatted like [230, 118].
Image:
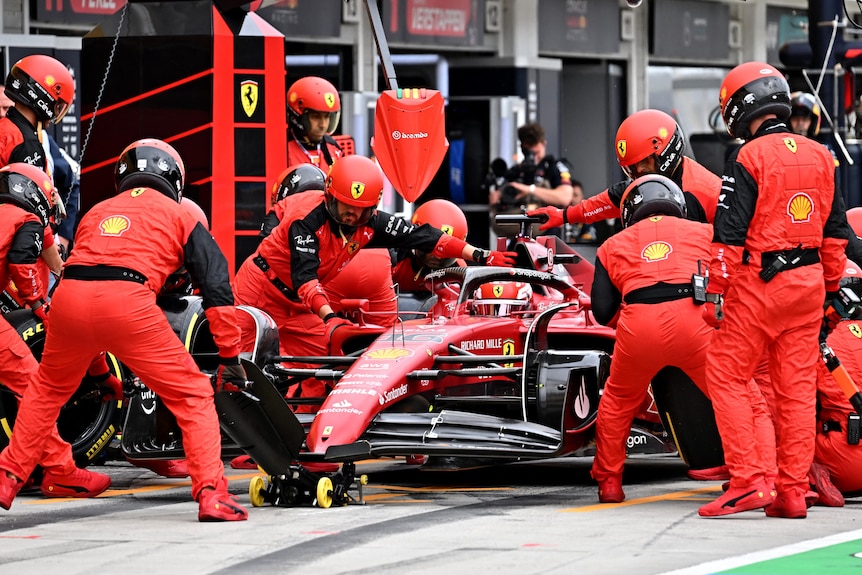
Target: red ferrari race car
[498, 364]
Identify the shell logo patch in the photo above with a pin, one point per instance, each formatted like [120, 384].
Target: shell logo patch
[446, 229]
[662, 132]
[50, 80]
[389, 353]
[248, 94]
[800, 208]
[621, 148]
[656, 251]
[790, 144]
[329, 99]
[115, 225]
[357, 189]
[722, 96]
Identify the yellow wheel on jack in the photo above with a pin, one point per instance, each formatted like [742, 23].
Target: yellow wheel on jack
[256, 487]
[363, 479]
[324, 493]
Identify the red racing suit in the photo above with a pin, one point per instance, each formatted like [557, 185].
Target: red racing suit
[19, 141]
[643, 273]
[778, 195]
[319, 154]
[20, 246]
[700, 186]
[125, 247]
[832, 451]
[288, 274]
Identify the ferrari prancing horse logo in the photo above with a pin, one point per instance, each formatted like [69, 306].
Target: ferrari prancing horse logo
[790, 143]
[357, 189]
[248, 92]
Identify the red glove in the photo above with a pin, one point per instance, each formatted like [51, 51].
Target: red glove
[333, 321]
[555, 216]
[231, 375]
[486, 258]
[41, 312]
[713, 312]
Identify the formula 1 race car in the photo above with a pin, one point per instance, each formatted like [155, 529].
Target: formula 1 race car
[506, 364]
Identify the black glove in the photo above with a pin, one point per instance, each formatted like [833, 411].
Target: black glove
[231, 375]
[831, 315]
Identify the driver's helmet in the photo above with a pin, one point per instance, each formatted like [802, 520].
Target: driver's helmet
[650, 196]
[357, 181]
[29, 188]
[650, 133]
[43, 84]
[502, 298]
[296, 179]
[312, 93]
[854, 218]
[751, 90]
[805, 105]
[151, 163]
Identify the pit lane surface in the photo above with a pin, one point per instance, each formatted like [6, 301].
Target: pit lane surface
[524, 518]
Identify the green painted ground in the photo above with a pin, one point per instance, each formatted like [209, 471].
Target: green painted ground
[838, 559]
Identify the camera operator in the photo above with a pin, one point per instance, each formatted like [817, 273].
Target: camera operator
[539, 180]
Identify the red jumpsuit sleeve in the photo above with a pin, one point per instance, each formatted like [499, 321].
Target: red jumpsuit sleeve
[725, 259]
[24, 267]
[224, 329]
[312, 295]
[49, 238]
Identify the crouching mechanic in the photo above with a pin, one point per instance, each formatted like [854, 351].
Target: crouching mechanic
[25, 206]
[410, 266]
[643, 282]
[319, 234]
[101, 304]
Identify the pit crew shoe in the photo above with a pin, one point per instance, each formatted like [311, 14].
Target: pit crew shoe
[790, 505]
[720, 473]
[243, 462]
[827, 494]
[738, 499]
[80, 483]
[9, 488]
[611, 490]
[219, 506]
[170, 468]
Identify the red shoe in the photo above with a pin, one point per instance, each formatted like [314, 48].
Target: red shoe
[611, 490]
[79, 483]
[9, 488]
[811, 498]
[719, 473]
[172, 468]
[827, 494]
[790, 505]
[219, 506]
[736, 500]
[243, 462]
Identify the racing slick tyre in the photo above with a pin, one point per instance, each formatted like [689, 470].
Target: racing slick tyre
[86, 421]
[688, 415]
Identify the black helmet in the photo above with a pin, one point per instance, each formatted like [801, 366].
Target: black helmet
[805, 105]
[651, 195]
[151, 163]
[29, 188]
[750, 90]
[296, 179]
